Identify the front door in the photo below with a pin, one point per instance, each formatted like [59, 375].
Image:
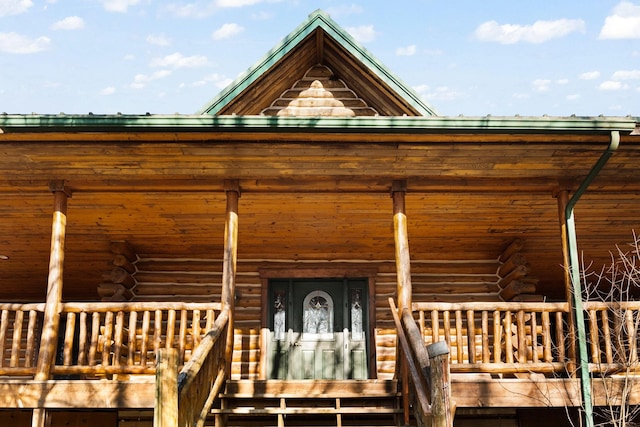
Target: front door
[318, 329]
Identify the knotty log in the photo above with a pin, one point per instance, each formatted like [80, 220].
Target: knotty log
[510, 264]
[120, 260]
[114, 292]
[122, 247]
[517, 287]
[515, 246]
[517, 273]
[401, 238]
[441, 407]
[121, 276]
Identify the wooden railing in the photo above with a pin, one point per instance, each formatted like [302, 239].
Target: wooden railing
[613, 336]
[499, 337]
[103, 339]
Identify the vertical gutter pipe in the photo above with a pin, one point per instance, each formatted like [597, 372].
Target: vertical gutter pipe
[574, 261]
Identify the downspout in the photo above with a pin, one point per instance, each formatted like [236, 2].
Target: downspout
[574, 263]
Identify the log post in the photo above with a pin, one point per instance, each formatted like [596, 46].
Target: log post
[441, 407]
[232, 189]
[562, 195]
[165, 413]
[52, 309]
[401, 237]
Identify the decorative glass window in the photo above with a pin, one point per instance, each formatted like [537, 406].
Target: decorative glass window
[357, 330]
[317, 321]
[279, 315]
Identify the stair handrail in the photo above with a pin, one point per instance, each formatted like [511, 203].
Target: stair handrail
[416, 379]
[187, 399]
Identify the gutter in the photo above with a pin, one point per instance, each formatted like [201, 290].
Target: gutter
[583, 356]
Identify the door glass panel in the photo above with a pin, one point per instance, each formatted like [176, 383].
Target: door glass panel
[357, 330]
[279, 315]
[317, 321]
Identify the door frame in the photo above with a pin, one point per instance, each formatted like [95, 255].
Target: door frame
[321, 272]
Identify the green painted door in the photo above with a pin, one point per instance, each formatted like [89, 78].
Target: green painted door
[318, 329]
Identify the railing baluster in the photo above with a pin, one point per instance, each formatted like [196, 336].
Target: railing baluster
[157, 333]
[69, 332]
[117, 338]
[486, 355]
[29, 355]
[471, 336]
[446, 325]
[133, 334]
[522, 337]
[146, 319]
[593, 337]
[497, 337]
[95, 335]
[4, 325]
[631, 337]
[17, 337]
[534, 336]
[183, 336]
[606, 334]
[195, 328]
[82, 339]
[508, 337]
[560, 339]
[546, 337]
[435, 326]
[171, 326]
[459, 345]
[106, 339]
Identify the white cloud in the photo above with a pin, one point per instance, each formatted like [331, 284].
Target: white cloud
[363, 33]
[541, 85]
[562, 81]
[227, 30]
[119, 5]
[406, 51]
[108, 90]
[191, 10]
[589, 75]
[573, 97]
[441, 93]
[69, 23]
[538, 32]
[624, 23]
[16, 43]
[177, 60]
[158, 40]
[611, 85]
[14, 7]
[626, 75]
[216, 79]
[141, 80]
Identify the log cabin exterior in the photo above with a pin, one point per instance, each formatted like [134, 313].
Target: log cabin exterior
[264, 236]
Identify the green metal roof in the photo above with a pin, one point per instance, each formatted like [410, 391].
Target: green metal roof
[317, 19]
[382, 125]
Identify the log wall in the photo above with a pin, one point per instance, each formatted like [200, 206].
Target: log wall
[199, 280]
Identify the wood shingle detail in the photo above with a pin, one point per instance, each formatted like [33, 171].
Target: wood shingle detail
[319, 94]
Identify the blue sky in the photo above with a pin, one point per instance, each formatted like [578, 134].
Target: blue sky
[467, 57]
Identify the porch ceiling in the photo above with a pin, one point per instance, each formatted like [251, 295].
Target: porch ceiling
[305, 198]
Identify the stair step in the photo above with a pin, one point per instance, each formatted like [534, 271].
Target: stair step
[310, 389]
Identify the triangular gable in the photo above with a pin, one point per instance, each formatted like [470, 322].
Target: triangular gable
[318, 41]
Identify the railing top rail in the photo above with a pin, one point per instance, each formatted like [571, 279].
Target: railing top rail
[491, 306]
[611, 305]
[22, 307]
[76, 307]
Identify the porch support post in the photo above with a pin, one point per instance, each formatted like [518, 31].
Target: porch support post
[562, 195]
[232, 189]
[49, 340]
[401, 236]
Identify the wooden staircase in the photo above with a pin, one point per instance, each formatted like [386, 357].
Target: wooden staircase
[308, 403]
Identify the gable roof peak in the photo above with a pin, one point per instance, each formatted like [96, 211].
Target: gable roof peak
[318, 40]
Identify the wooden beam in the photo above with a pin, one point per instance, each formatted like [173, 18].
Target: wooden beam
[232, 188]
[401, 237]
[165, 413]
[51, 321]
[440, 385]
